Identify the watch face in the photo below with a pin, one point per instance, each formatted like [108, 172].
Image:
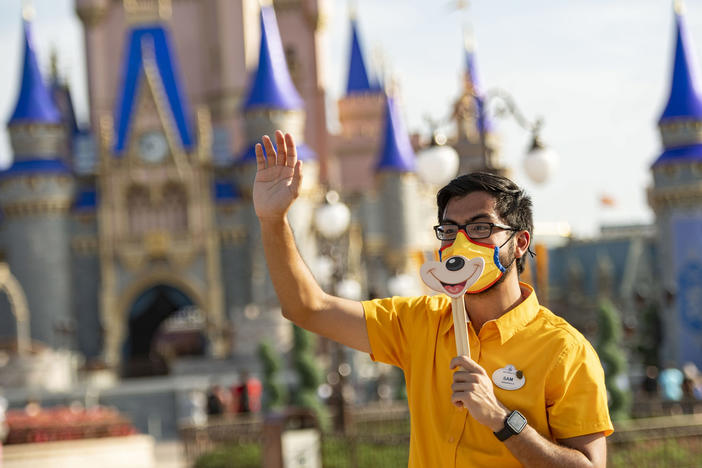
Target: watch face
[153, 147]
[516, 422]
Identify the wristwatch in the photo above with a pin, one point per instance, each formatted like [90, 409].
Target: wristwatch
[514, 423]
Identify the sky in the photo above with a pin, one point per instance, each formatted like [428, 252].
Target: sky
[596, 71]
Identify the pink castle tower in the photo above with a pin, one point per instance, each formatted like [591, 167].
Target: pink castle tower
[216, 43]
[361, 115]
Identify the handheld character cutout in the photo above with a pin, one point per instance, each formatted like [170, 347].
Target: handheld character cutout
[465, 266]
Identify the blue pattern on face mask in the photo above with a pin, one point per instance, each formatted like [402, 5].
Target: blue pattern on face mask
[496, 259]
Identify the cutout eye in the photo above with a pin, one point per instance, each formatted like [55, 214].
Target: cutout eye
[455, 263]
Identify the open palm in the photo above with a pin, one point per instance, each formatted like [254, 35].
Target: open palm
[278, 176]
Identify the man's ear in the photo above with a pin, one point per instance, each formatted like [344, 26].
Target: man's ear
[523, 240]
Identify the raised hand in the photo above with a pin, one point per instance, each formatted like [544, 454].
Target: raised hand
[278, 177]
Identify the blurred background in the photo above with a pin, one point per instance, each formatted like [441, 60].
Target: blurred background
[138, 318]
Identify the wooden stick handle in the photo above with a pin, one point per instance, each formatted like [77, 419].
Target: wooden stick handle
[460, 327]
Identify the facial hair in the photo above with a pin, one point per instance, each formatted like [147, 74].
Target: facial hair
[507, 258]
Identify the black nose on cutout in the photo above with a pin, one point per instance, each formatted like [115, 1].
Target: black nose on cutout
[455, 263]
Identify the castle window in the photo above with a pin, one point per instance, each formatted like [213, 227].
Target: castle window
[152, 211]
[175, 208]
[138, 209]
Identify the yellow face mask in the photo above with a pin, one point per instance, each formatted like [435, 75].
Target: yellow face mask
[465, 266]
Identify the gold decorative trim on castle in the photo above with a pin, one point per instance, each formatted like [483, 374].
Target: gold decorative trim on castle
[145, 11]
[18, 209]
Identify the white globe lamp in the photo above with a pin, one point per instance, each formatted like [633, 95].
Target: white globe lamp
[403, 285]
[332, 219]
[438, 163]
[349, 289]
[540, 162]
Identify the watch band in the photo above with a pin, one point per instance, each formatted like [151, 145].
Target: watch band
[508, 431]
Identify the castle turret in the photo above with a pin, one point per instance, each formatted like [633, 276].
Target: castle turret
[676, 198]
[397, 191]
[302, 26]
[36, 192]
[361, 114]
[476, 143]
[273, 103]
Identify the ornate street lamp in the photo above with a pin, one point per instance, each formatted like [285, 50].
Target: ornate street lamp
[332, 220]
[541, 161]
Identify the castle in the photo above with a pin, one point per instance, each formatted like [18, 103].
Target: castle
[135, 240]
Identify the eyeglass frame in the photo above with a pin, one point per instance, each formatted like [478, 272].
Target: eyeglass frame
[463, 227]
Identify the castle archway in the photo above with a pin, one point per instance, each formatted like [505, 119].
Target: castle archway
[18, 305]
[163, 323]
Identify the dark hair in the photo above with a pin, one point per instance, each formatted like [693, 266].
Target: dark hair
[512, 204]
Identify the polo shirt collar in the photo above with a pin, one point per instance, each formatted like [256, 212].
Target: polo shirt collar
[513, 320]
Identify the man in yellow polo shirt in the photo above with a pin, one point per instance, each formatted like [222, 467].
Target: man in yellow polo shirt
[533, 393]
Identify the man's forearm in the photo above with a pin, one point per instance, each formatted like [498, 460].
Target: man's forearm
[533, 450]
[294, 284]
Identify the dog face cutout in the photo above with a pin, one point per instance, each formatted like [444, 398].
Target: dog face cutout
[465, 266]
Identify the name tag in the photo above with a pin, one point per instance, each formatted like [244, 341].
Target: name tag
[509, 378]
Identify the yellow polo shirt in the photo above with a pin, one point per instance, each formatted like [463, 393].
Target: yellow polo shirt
[563, 393]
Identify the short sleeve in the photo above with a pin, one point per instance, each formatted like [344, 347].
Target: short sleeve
[576, 395]
[390, 324]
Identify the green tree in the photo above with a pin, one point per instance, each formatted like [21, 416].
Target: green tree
[308, 374]
[650, 335]
[274, 394]
[613, 359]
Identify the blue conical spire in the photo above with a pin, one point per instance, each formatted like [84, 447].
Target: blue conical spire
[685, 100]
[158, 40]
[34, 103]
[359, 81]
[684, 103]
[397, 154]
[272, 87]
[474, 85]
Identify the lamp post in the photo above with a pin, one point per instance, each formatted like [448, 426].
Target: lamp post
[331, 220]
[540, 161]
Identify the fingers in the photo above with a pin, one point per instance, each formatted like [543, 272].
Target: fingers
[291, 149]
[297, 178]
[260, 158]
[465, 377]
[282, 150]
[286, 154]
[271, 154]
[466, 363]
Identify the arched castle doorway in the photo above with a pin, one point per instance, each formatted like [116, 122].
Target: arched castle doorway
[163, 324]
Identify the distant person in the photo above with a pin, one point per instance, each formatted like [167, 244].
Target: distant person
[533, 394]
[216, 404]
[671, 379]
[248, 394]
[650, 382]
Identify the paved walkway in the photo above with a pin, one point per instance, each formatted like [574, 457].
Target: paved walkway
[169, 454]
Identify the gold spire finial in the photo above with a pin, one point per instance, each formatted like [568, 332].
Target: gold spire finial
[353, 10]
[468, 39]
[679, 7]
[28, 10]
[147, 11]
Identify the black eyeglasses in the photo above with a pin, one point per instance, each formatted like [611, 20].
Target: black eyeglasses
[448, 231]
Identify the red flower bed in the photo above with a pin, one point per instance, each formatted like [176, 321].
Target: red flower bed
[65, 423]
